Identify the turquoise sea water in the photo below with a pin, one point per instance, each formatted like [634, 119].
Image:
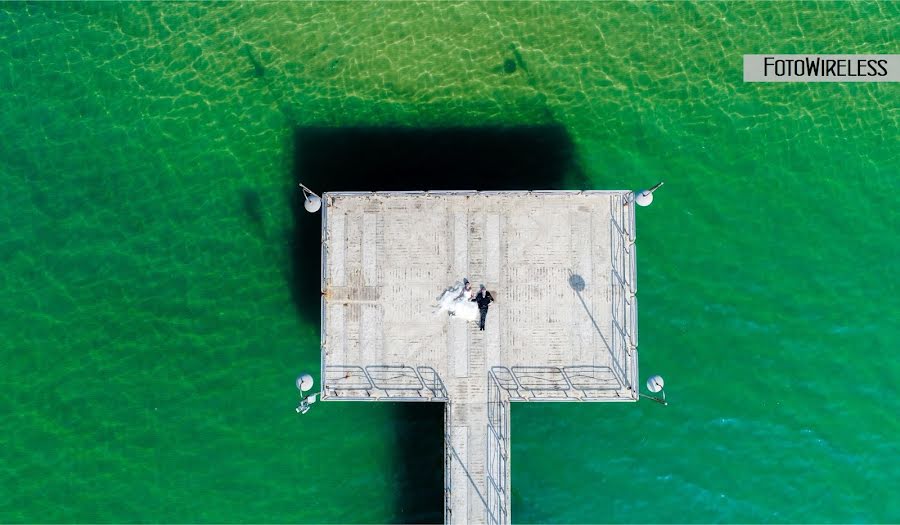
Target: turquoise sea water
[151, 336]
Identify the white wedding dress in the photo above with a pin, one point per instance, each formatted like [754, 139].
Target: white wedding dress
[457, 301]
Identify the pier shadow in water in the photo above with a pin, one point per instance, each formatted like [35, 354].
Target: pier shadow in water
[373, 159]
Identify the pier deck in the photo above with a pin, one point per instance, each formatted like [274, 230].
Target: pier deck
[563, 327]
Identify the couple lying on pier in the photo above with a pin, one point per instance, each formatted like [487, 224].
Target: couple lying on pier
[461, 300]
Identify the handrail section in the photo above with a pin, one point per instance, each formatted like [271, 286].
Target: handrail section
[374, 382]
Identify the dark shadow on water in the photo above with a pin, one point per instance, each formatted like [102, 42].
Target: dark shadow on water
[372, 159]
[251, 203]
[418, 462]
[258, 69]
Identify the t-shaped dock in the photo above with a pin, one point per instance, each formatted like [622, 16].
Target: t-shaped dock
[561, 268]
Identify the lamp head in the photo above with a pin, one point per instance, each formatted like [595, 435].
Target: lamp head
[304, 382]
[655, 383]
[312, 203]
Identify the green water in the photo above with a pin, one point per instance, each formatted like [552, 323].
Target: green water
[150, 339]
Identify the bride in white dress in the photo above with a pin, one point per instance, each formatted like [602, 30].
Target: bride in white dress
[457, 300]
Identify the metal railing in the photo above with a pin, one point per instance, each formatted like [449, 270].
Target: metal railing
[389, 382]
[448, 460]
[553, 383]
[532, 383]
[497, 474]
[623, 281]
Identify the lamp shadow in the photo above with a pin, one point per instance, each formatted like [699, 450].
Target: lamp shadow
[395, 159]
[577, 283]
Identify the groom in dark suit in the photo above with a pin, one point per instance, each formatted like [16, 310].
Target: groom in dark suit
[484, 299]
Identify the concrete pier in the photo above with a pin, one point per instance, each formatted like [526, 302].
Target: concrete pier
[563, 327]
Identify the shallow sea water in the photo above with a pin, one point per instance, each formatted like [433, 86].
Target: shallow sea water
[152, 326]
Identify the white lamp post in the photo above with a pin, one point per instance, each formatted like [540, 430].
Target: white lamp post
[643, 197]
[655, 384]
[312, 202]
[305, 384]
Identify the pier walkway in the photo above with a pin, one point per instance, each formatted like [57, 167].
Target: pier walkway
[563, 327]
